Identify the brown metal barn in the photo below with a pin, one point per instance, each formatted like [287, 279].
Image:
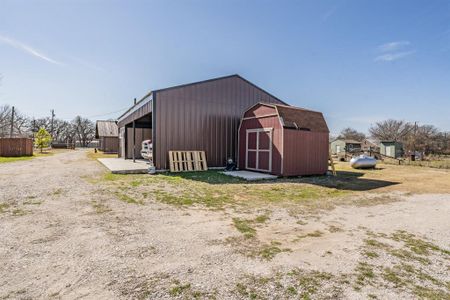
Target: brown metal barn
[199, 116]
[283, 140]
[108, 135]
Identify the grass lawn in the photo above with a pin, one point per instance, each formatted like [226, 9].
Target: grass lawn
[214, 190]
[410, 179]
[13, 159]
[36, 153]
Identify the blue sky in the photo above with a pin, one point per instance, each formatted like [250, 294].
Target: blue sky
[357, 61]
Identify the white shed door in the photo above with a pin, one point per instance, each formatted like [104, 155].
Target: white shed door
[388, 151]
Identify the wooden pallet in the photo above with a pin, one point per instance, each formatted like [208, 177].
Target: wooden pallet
[331, 164]
[185, 161]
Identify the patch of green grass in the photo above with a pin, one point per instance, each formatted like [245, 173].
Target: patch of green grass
[300, 194]
[364, 273]
[245, 291]
[270, 251]
[179, 289]
[30, 202]
[418, 273]
[370, 254]
[316, 233]
[14, 159]
[215, 190]
[18, 212]
[376, 244]
[128, 199]
[334, 228]
[36, 153]
[113, 177]
[210, 177]
[3, 207]
[292, 291]
[209, 198]
[262, 219]
[57, 192]
[430, 293]
[409, 256]
[393, 277]
[136, 183]
[309, 283]
[295, 284]
[173, 199]
[243, 226]
[100, 208]
[417, 245]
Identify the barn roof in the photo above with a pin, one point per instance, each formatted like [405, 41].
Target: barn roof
[149, 95]
[106, 129]
[300, 118]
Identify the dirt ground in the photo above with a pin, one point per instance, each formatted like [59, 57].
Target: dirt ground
[66, 234]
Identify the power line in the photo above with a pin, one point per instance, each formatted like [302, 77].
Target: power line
[100, 115]
[114, 112]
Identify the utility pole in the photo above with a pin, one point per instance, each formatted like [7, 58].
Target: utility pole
[12, 123]
[51, 126]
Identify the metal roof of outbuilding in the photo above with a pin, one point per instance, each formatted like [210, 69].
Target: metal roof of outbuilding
[106, 129]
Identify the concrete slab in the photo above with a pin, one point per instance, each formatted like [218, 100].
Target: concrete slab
[249, 175]
[125, 166]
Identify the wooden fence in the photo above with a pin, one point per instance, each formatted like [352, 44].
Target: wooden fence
[10, 147]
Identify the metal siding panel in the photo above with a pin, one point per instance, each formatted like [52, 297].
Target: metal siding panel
[305, 153]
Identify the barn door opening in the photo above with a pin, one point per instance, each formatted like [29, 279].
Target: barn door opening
[258, 154]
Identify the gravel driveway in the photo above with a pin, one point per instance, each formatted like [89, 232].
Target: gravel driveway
[64, 237]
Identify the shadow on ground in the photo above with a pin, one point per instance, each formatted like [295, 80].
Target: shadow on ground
[344, 180]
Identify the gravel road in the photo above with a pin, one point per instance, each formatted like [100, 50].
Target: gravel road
[63, 236]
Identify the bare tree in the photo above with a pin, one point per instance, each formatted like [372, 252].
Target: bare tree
[20, 122]
[425, 139]
[85, 130]
[351, 134]
[390, 130]
[5, 119]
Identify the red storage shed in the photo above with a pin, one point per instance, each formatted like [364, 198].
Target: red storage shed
[283, 140]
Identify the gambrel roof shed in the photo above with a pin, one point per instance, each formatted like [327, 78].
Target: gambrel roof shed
[283, 140]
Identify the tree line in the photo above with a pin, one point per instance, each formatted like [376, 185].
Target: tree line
[80, 129]
[427, 139]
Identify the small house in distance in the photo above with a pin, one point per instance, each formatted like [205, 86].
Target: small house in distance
[107, 133]
[391, 148]
[341, 146]
[283, 140]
